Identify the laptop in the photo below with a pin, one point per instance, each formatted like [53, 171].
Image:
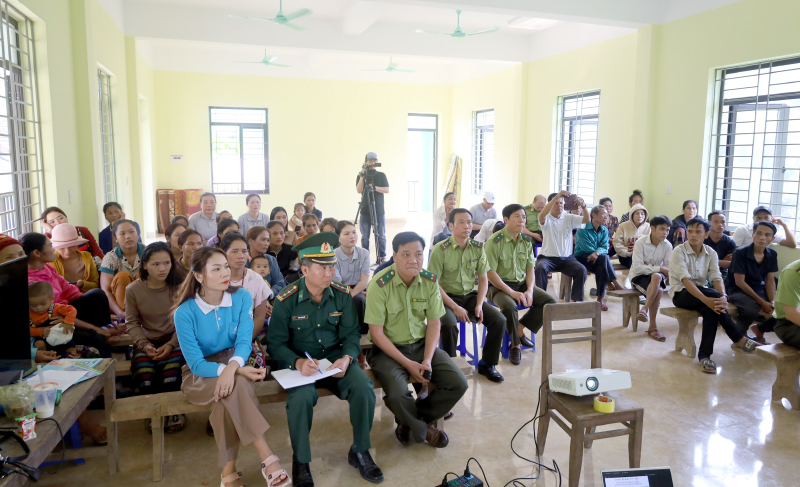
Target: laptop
[638, 477]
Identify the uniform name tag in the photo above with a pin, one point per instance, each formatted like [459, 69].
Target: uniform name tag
[419, 300]
[336, 313]
[303, 317]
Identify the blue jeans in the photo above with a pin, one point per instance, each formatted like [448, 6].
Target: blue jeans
[381, 229]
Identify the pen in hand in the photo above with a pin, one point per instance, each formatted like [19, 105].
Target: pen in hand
[312, 360]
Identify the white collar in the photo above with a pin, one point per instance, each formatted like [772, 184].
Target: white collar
[206, 308]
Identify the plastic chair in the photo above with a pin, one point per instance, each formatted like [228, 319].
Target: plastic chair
[474, 357]
[74, 436]
[506, 339]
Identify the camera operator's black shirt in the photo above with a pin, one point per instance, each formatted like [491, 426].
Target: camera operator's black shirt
[379, 181]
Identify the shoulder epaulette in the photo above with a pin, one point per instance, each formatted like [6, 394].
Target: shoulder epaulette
[340, 287]
[287, 292]
[384, 279]
[428, 275]
[475, 243]
[445, 243]
[497, 238]
[526, 238]
[529, 207]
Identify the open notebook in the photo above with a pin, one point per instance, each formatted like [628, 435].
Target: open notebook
[294, 378]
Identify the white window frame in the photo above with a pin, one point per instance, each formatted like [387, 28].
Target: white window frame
[22, 195]
[107, 136]
[225, 188]
[754, 147]
[575, 164]
[482, 149]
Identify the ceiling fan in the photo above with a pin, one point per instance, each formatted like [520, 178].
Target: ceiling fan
[392, 68]
[279, 19]
[267, 61]
[458, 33]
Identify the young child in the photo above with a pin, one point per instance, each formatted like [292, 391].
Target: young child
[260, 265]
[296, 221]
[42, 309]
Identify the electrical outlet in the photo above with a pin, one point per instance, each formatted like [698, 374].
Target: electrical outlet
[669, 189]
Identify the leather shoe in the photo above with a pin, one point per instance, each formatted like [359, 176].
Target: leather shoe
[603, 306]
[525, 341]
[366, 466]
[403, 433]
[436, 437]
[489, 372]
[515, 355]
[301, 475]
[448, 415]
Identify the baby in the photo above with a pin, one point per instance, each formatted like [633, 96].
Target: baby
[260, 265]
[52, 325]
[296, 221]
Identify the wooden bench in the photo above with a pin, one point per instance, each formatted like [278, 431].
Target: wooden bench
[630, 306]
[565, 286]
[787, 360]
[157, 406]
[687, 322]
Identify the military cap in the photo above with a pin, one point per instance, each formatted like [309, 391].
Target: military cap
[318, 247]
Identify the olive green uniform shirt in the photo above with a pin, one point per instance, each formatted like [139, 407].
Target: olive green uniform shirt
[788, 290]
[532, 219]
[402, 311]
[509, 259]
[328, 329]
[457, 267]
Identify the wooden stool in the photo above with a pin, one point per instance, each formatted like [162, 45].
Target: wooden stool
[787, 360]
[565, 288]
[687, 322]
[630, 306]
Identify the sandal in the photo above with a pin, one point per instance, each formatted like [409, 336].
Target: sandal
[175, 423]
[232, 480]
[759, 339]
[642, 316]
[656, 335]
[708, 366]
[748, 347]
[272, 477]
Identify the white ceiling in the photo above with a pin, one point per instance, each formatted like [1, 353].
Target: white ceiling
[342, 36]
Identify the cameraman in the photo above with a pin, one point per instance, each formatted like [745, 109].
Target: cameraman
[381, 186]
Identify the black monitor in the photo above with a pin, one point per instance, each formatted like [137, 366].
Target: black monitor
[638, 477]
[15, 347]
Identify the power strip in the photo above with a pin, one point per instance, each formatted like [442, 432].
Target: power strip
[464, 481]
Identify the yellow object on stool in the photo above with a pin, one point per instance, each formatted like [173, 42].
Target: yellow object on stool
[603, 404]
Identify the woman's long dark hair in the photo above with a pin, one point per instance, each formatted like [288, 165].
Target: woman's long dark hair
[228, 239]
[32, 241]
[224, 225]
[275, 211]
[191, 286]
[173, 280]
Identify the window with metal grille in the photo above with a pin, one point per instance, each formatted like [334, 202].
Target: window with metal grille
[576, 144]
[107, 136]
[755, 142]
[21, 175]
[239, 150]
[483, 148]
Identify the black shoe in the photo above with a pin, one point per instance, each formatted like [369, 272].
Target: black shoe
[448, 415]
[525, 341]
[301, 475]
[489, 372]
[403, 433]
[515, 356]
[366, 466]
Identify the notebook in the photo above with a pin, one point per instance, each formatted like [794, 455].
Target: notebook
[289, 379]
[638, 477]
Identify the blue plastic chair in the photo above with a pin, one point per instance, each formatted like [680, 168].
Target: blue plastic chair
[75, 438]
[507, 340]
[462, 343]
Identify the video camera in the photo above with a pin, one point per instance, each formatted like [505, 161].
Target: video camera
[370, 168]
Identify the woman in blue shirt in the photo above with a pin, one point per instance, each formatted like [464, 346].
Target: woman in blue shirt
[214, 323]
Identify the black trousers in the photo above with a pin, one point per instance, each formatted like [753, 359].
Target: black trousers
[684, 299]
[360, 303]
[603, 271]
[626, 261]
[493, 320]
[749, 311]
[93, 308]
[569, 266]
[533, 318]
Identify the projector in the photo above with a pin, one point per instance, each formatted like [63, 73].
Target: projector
[590, 381]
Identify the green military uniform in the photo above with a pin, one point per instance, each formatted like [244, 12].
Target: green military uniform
[511, 259]
[327, 329]
[456, 268]
[788, 295]
[402, 311]
[532, 220]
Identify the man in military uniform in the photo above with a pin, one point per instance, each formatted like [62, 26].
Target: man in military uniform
[456, 261]
[404, 306]
[315, 315]
[511, 276]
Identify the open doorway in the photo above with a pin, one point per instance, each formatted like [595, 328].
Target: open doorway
[422, 145]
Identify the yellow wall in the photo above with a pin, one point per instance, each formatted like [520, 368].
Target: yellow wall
[319, 132]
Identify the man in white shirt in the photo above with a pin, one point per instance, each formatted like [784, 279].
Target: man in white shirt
[483, 211]
[650, 270]
[744, 234]
[692, 263]
[204, 221]
[557, 249]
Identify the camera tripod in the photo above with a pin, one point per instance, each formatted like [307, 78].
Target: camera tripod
[368, 201]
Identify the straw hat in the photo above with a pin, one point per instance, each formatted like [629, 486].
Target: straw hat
[66, 235]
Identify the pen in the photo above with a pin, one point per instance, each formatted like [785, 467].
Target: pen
[312, 360]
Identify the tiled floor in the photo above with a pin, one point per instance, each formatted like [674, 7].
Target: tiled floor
[712, 430]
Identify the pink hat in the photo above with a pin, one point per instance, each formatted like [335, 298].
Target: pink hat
[66, 235]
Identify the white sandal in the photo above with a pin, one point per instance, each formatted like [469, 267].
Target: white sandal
[232, 480]
[270, 478]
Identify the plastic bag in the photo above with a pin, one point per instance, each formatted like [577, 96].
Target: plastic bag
[17, 399]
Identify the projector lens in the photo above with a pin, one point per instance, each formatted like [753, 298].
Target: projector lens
[591, 384]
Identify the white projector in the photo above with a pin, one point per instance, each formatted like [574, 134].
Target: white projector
[590, 381]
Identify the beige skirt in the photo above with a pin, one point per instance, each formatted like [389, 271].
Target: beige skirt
[235, 418]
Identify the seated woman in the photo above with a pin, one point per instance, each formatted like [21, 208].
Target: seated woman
[53, 216]
[180, 219]
[628, 233]
[189, 242]
[276, 247]
[223, 227]
[634, 199]
[352, 268]
[173, 233]
[253, 217]
[121, 267]
[92, 307]
[442, 214]
[279, 214]
[223, 215]
[75, 266]
[235, 247]
[310, 200]
[677, 234]
[215, 330]
[328, 225]
[112, 211]
[157, 359]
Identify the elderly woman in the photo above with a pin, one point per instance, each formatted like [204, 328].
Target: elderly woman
[73, 265]
[121, 266]
[441, 215]
[279, 214]
[253, 217]
[54, 216]
[214, 323]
